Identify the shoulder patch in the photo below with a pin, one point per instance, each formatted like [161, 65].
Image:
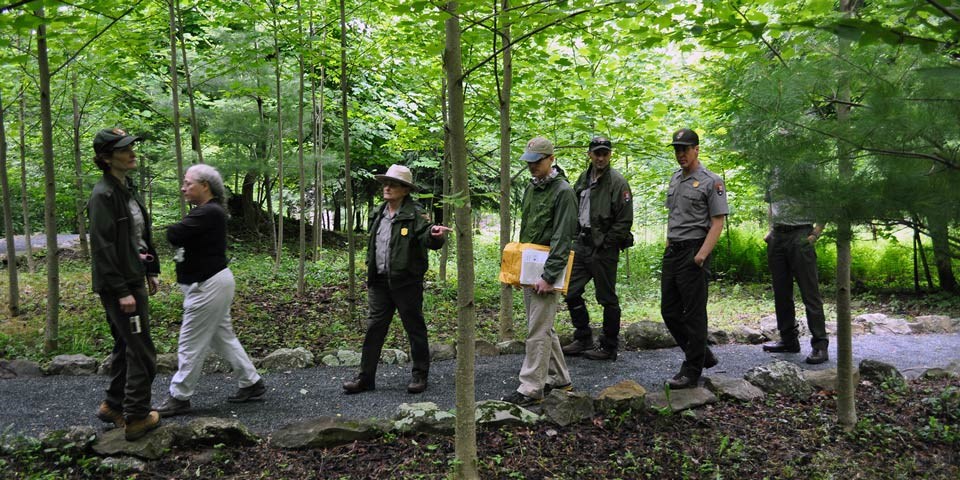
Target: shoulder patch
[626, 196]
[718, 186]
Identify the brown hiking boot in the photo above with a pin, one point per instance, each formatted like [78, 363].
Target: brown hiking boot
[110, 415]
[137, 428]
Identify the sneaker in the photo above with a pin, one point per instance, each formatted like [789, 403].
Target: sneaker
[253, 393]
[601, 352]
[172, 406]
[358, 385]
[137, 428]
[549, 388]
[110, 415]
[576, 347]
[521, 400]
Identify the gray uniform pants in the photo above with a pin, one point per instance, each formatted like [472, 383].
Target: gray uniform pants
[134, 362]
[791, 257]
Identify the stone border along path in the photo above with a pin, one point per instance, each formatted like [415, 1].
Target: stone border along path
[34, 404]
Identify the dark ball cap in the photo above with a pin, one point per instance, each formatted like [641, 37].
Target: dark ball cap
[600, 143]
[685, 137]
[110, 139]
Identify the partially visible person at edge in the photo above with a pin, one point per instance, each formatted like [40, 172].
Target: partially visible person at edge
[208, 288]
[123, 258]
[548, 217]
[400, 234]
[605, 216]
[698, 204]
[791, 254]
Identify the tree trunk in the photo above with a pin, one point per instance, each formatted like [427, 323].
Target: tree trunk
[445, 180]
[939, 233]
[78, 169]
[51, 331]
[348, 193]
[302, 175]
[175, 99]
[506, 291]
[24, 203]
[13, 305]
[279, 181]
[194, 123]
[466, 428]
[846, 389]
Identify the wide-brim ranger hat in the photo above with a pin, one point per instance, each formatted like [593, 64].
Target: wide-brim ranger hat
[537, 148]
[110, 139]
[399, 174]
[685, 137]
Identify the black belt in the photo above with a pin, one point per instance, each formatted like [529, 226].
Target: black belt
[685, 244]
[791, 228]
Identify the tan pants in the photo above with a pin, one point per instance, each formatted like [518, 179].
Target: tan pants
[543, 363]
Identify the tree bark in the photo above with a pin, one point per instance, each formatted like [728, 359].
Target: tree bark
[78, 169]
[13, 305]
[301, 273]
[445, 180]
[194, 123]
[506, 330]
[348, 194]
[940, 234]
[24, 202]
[52, 330]
[175, 99]
[466, 429]
[279, 181]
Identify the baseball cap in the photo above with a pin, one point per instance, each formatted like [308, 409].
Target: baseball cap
[685, 136]
[536, 149]
[600, 143]
[110, 139]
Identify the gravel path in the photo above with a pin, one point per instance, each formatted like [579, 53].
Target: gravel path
[33, 405]
[39, 240]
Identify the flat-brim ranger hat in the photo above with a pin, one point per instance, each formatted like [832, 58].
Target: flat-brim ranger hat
[399, 174]
[110, 139]
[537, 148]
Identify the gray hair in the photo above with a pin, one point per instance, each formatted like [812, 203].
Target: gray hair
[210, 175]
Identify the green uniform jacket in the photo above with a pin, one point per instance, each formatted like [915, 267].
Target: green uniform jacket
[409, 240]
[611, 208]
[117, 268]
[549, 217]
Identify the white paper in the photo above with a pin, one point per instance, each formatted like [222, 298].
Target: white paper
[531, 268]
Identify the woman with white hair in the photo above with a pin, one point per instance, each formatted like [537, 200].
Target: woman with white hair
[208, 288]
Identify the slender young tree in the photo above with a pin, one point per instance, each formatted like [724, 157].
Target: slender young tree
[52, 329]
[175, 99]
[13, 306]
[301, 275]
[24, 201]
[194, 123]
[277, 70]
[78, 169]
[348, 183]
[505, 88]
[466, 428]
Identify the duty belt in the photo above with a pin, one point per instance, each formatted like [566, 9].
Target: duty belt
[790, 228]
[678, 245]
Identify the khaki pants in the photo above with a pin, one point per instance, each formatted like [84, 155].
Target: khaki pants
[543, 363]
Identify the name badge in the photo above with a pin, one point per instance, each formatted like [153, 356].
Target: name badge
[404, 231]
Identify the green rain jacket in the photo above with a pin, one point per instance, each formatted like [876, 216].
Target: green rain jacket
[611, 208]
[549, 217]
[409, 240]
[117, 268]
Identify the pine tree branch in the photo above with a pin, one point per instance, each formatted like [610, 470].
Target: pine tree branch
[945, 10]
[94, 38]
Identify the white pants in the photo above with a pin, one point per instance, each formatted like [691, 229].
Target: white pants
[206, 326]
[543, 362]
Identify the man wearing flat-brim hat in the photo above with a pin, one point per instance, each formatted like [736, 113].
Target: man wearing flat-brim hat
[400, 234]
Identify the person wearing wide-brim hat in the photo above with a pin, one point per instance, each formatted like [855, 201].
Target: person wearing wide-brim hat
[400, 234]
[123, 257]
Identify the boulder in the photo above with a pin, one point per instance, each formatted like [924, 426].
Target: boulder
[768, 327]
[123, 464]
[566, 408]
[626, 395]
[105, 364]
[878, 372]
[679, 400]
[827, 379]
[326, 432]
[497, 413]
[392, 356]
[214, 363]
[780, 377]
[512, 347]
[442, 351]
[718, 337]
[952, 370]
[484, 348]
[748, 335]
[896, 326]
[19, 368]
[345, 358]
[735, 388]
[934, 324]
[213, 430]
[168, 363]
[151, 447]
[288, 359]
[646, 335]
[74, 439]
[72, 365]
[424, 417]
